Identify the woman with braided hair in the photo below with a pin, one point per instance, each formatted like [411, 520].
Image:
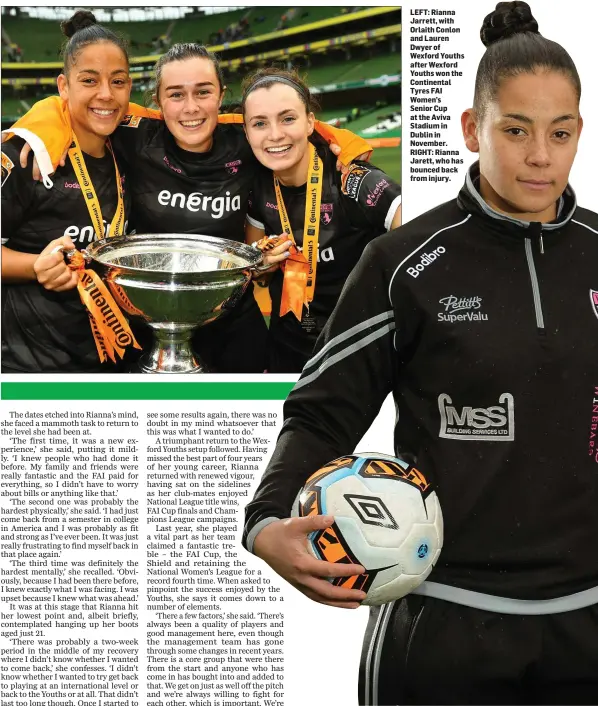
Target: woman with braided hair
[481, 319]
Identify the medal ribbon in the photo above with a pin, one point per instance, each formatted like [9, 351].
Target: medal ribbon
[300, 271]
[110, 329]
[89, 193]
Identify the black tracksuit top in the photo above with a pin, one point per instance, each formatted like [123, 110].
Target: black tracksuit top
[485, 330]
[43, 330]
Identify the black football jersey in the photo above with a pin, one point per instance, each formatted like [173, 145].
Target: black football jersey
[354, 209]
[44, 331]
[176, 191]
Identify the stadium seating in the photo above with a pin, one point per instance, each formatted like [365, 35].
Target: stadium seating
[140, 34]
[40, 39]
[368, 68]
[199, 29]
[12, 107]
[370, 55]
[335, 72]
[260, 20]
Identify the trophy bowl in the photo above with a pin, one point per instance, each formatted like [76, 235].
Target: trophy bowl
[175, 283]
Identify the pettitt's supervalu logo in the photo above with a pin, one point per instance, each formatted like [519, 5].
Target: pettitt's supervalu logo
[461, 309]
[495, 423]
[594, 300]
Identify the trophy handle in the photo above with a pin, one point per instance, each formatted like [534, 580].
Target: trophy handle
[68, 254]
[259, 269]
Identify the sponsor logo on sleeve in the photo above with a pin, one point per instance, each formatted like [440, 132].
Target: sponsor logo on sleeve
[461, 309]
[7, 167]
[130, 121]
[374, 195]
[594, 300]
[496, 423]
[352, 180]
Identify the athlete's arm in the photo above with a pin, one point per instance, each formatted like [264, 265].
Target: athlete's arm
[17, 200]
[17, 266]
[372, 196]
[49, 120]
[272, 257]
[338, 396]
[48, 268]
[352, 147]
[253, 233]
[397, 219]
[299, 568]
[18, 203]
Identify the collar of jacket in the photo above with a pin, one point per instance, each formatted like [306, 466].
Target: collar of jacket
[470, 200]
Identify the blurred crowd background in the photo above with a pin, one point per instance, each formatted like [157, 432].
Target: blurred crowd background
[351, 57]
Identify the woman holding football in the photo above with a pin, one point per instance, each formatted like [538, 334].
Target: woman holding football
[509, 614]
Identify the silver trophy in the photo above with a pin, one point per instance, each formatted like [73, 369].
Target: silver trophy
[175, 283]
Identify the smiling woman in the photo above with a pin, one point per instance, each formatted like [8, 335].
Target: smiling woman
[189, 90]
[191, 172]
[95, 83]
[45, 327]
[327, 218]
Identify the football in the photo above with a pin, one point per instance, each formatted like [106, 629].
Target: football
[386, 517]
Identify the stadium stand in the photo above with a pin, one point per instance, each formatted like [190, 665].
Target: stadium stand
[206, 29]
[335, 73]
[40, 40]
[350, 56]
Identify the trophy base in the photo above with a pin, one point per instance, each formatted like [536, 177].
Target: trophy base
[172, 353]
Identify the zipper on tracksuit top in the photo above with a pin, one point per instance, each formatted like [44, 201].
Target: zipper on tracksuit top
[535, 234]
